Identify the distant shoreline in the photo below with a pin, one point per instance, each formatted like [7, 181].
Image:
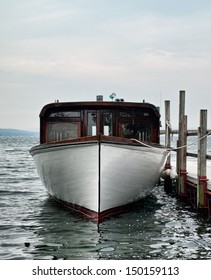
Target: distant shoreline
[17, 132]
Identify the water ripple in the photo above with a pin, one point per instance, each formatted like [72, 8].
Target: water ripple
[33, 226]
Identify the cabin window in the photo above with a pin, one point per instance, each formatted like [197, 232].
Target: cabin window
[135, 124]
[66, 114]
[63, 130]
[145, 135]
[107, 123]
[127, 130]
[138, 131]
[125, 115]
[92, 121]
[126, 125]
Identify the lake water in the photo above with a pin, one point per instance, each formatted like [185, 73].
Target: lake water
[33, 226]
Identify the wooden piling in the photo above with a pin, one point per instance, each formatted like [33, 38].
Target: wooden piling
[167, 180]
[167, 131]
[181, 116]
[194, 188]
[182, 148]
[202, 161]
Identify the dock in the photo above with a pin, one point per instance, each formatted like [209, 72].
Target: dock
[193, 183]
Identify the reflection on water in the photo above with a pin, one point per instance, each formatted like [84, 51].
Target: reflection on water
[34, 226]
[159, 228]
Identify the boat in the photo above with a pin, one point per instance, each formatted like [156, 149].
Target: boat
[99, 157]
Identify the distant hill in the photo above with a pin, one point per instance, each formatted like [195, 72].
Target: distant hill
[17, 132]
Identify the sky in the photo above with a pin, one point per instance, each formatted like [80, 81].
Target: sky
[74, 50]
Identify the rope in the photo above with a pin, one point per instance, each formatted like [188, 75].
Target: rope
[174, 149]
[168, 125]
[197, 141]
[149, 146]
[144, 144]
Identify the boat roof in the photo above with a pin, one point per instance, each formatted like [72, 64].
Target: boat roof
[57, 106]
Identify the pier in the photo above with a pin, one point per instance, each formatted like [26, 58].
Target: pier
[193, 183]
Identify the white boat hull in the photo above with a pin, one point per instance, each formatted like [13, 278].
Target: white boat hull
[98, 178]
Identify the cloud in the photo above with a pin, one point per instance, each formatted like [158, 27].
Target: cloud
[139, 47]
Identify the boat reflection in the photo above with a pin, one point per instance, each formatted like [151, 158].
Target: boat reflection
[64, 234]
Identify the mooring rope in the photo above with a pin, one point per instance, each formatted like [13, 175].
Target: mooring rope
[192, 143]
[177, 148]
[187, 145]
[142, 143]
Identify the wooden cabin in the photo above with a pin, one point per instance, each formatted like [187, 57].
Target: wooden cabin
[73, 120]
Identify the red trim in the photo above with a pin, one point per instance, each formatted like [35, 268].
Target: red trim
[183, 172]
[168, 166]
[93, 139]
[92, 215]
[203, 179]
[101, 137]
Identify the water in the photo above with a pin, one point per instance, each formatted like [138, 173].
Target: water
[33, 226]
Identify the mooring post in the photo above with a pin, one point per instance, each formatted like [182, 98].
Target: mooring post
[202, 161]
[167, 180]
[167, 126]
[183, 170]
[182, 148]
